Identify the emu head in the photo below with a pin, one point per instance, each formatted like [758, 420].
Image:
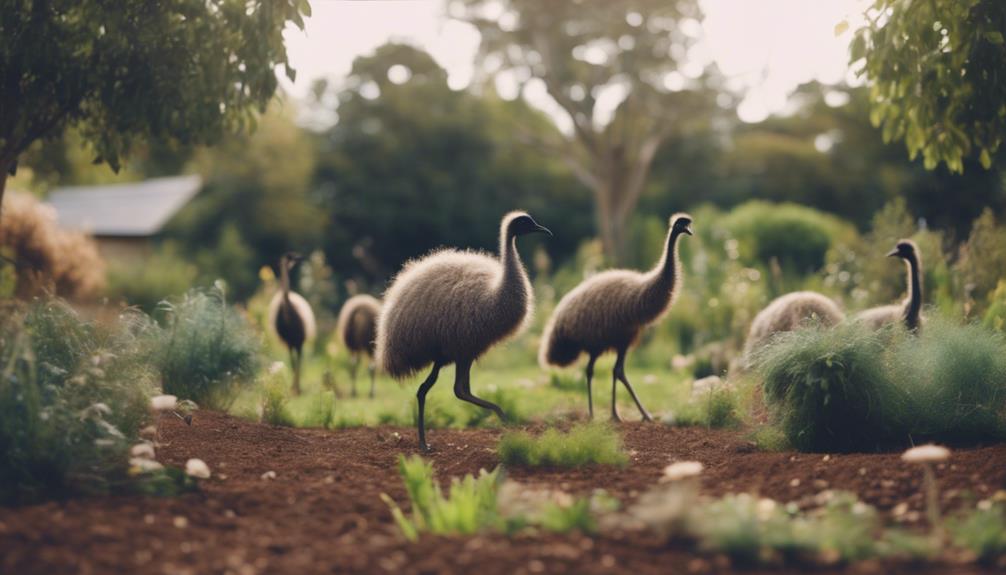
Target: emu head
[289, 260]
[905, 249]
[521, 223]
[681, 224]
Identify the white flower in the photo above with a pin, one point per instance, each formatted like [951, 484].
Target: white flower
[926, 454]
[197, 468]
[163, 402]
[276, 367]
[142, 451]
[143, 465]
[682, 470]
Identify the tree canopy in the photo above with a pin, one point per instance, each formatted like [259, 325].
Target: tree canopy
[617, 70]
[937, 73]
[122, 72]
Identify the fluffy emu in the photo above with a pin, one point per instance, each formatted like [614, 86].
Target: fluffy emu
[450, 307]
[787, 313]
[290, 316]
[609, 310]
[357, 327]
[910, 310]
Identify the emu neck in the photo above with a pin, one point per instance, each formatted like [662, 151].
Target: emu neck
[512, 288]
[658, 290]
[284, 282]
[913, 306]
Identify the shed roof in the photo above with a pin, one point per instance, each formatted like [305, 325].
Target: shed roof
[135, 209]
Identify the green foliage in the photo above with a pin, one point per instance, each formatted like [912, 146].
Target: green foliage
[995, 315]
[797, 237]
[830, 389]
[751, 530]
[147, 283]
[584, 444]
[982, 260]
[469, 507]
[274, 408]
[207, 349]
[73, 396]
[982, 531]
[850, 388]
[120, 72]
[716, 408]
[935, 70]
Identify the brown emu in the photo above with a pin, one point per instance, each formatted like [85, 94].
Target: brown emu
[787, 313]
[357, 328]
[608, 312]
[290, 316]
[910, 310]
[451, 307]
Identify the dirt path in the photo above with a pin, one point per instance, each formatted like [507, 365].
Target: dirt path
[322, 513]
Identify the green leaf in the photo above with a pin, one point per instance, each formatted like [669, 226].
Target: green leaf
[995, 37]
[841, 28]
[985, 159]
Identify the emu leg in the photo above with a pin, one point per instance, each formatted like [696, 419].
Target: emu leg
[353, 370]
[463, 391]
[295, 366]
[421, 396]
[590, 378]
[372, 369]
[614, 396]
[620, 375]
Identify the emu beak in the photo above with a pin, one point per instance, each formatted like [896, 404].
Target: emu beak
[893, 253]
[544, 230]
[688, 230]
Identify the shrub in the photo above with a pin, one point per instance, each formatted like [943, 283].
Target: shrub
[274, 408]
[146, 284]
[716, 408]
[850, 388]
[48, 258]
[207, 349]
[73, 396]
[982, 259]
[798, 237]
[995, 316]
[584, 444]
[830, 390]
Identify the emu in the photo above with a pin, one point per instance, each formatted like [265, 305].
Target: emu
[451, 307]
[608, 312]
[357, 328]
[910, 310]
[290, 316]
[787, 313]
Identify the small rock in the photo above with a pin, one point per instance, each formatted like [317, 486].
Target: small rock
[269, 475]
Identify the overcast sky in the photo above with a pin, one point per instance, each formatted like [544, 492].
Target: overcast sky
[766, 47]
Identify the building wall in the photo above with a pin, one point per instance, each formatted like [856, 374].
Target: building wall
[124, 249]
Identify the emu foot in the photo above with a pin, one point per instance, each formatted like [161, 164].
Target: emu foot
[615, 417]
[647, 417]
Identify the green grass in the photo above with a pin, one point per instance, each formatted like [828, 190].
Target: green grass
[982, 531]
[853, 389]
[584, 444]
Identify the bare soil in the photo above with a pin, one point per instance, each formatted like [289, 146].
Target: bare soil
[322, 513]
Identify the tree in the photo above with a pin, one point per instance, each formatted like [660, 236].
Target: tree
[937, 73]
[412, 165]
[131, 70]
[586, 54]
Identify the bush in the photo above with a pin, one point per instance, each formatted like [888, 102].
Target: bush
[207, 349]
[850, 388]
[146, 284]
[716, 408]
[584, 444]
[798, 237]
[48, 258]
[274, 408]
[982, 531]
[73, 396]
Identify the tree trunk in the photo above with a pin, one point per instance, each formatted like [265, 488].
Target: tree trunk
[3, 185]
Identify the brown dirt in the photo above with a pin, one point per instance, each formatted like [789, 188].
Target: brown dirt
[322, 513]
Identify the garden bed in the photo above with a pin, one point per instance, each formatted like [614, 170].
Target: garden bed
[323, 512]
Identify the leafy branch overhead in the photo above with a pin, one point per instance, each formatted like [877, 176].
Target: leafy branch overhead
[937, 71]
[186, 71]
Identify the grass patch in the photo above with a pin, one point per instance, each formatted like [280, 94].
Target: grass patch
[982, 532]
[584, 444]
[207, 350]
[717, 408]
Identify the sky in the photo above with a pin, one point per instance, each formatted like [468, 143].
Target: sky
[764, 47]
